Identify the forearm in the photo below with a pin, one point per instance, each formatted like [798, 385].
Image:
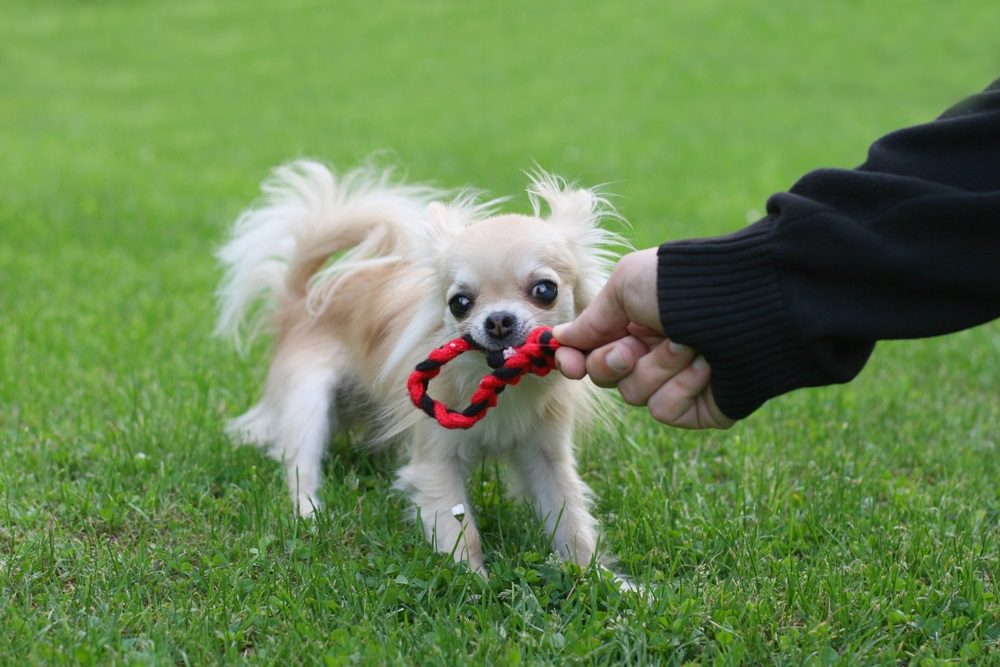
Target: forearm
[906, 245]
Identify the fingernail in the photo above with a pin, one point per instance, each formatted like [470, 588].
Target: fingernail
[677, 348]
[558, 329]
[615, 360]
[699, 363]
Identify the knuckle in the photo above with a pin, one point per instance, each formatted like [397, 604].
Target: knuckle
[691, 381]
[661, 360]
[629, 394]
[664, 358]
[599, 372]
[662, 409]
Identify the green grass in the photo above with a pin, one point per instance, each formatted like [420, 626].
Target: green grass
[849, 525]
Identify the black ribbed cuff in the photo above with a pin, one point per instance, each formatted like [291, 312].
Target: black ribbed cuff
[721, 297]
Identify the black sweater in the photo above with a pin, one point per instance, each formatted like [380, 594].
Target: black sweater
[905, 246]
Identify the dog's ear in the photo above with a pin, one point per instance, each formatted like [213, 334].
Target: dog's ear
[568, 205]
[578, 213]
[441, 222]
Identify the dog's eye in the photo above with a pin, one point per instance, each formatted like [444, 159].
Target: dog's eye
[544, 291]
[460, 305]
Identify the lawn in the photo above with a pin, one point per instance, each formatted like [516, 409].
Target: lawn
[847, 525]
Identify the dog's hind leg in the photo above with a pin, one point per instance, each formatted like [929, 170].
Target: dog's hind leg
[305, 421]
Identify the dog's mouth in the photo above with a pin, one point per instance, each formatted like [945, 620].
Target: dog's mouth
[496, 351]
[494, 358]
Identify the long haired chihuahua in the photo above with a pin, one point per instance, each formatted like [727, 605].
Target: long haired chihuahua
[359, 278]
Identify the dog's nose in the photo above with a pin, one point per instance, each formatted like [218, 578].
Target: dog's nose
[499, 324]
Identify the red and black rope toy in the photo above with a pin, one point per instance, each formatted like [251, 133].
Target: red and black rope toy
[537, 355]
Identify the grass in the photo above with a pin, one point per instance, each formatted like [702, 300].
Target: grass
[847, 525]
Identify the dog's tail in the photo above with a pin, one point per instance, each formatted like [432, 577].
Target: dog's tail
[310, 228]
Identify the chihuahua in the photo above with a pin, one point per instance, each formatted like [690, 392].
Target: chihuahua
[359, 277]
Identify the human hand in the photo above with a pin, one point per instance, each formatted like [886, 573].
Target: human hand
[629, 350]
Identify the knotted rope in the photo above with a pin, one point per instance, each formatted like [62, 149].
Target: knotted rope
[537, 356]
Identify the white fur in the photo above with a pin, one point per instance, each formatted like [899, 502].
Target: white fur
[353, 274]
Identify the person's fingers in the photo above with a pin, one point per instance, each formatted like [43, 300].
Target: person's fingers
[718, 417]
[687, 401]
[571, 362]
[653, 370]
[642, 332]
[607, 365]
[603, 321]
[674, 402]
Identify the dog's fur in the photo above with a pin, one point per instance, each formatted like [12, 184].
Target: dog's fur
[354, 275]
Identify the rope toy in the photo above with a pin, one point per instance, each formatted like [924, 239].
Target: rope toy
[537, 355]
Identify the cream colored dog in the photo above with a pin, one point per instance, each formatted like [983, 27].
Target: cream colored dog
[360, 278]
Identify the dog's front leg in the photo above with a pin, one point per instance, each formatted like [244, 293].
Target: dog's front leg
[435, 481]
[547, 468]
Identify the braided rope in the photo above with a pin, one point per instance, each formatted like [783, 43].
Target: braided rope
[537, 355]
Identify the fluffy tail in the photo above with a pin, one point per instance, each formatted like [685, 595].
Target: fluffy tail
[280, 249]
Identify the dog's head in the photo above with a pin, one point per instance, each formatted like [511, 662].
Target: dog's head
[499, 277]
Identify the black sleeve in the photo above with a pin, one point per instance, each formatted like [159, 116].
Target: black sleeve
[907, 245]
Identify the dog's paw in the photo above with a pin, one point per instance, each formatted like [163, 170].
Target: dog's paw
[625, 584]
[254, 427]
[306, 505]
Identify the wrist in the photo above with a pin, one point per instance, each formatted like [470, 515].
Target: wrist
[637, 288]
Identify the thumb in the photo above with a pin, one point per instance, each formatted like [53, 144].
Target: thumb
[607, 318]
[603, 321]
